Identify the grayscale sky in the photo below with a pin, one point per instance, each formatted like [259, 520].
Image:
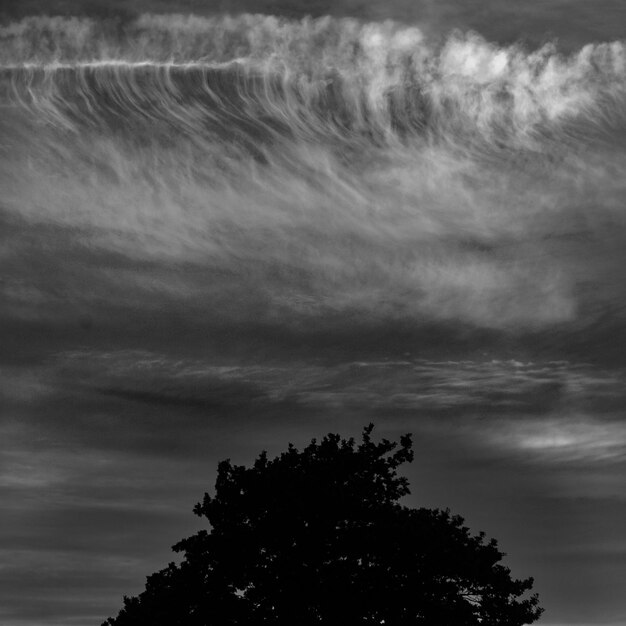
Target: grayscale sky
[174, 293]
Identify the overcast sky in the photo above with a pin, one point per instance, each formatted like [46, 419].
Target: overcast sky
[144, 337]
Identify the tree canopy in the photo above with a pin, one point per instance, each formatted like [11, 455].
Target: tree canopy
[318, 536]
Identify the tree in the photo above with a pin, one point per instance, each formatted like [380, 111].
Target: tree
[318, 537]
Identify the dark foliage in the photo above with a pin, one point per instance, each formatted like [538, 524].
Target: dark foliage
[318, 537]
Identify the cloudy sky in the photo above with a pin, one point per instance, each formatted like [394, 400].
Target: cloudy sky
[222, 234]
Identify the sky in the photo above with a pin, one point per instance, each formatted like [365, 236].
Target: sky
[179, 287]
[572, 22]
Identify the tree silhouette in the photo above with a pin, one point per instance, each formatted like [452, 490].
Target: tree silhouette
[318, 537]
